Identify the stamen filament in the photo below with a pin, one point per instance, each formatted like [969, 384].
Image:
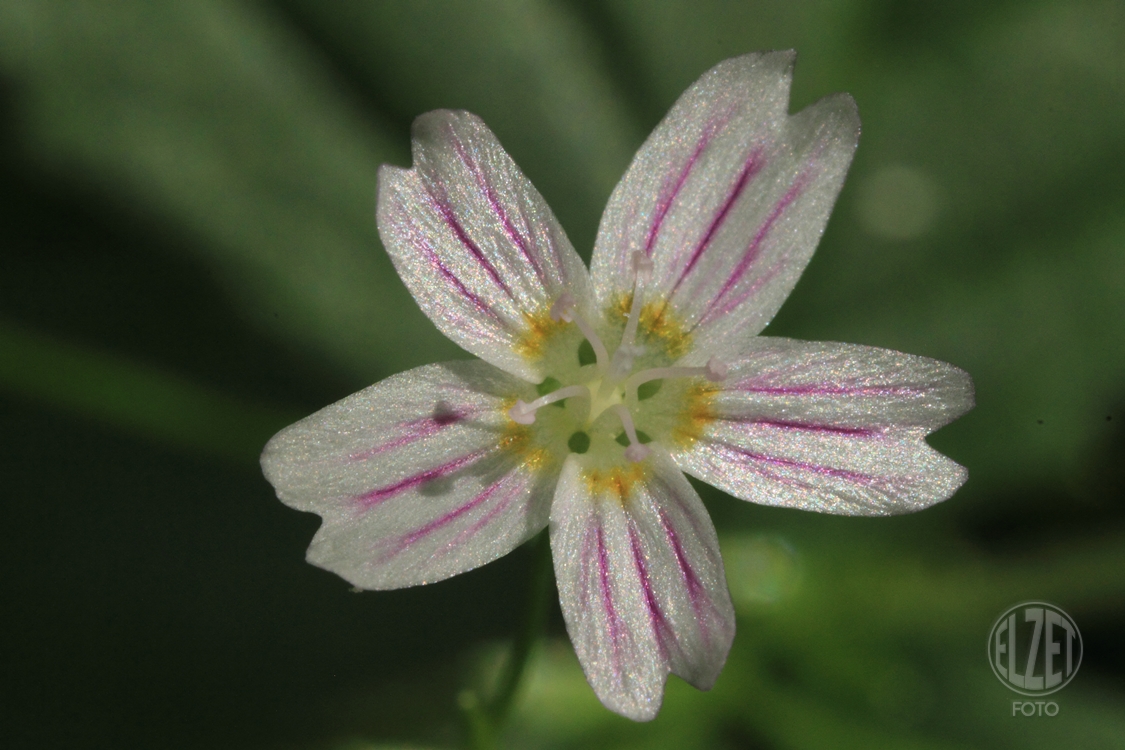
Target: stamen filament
[566, 309]
[714, 371]
[524, 413]
[642, 270]
[627, 350]
[636, 450]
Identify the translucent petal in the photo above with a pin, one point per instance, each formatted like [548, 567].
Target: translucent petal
[417, 478]
[640, 581]
[836, 428]
[475, 243]
[728, 197]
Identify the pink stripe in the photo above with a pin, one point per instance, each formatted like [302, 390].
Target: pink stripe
[440, 205]
[851, 476]
[669, 197]
[661, 630]
[750, 168]
[494, 203]
[700, 601]
[713, 312]
[406, 540]
[754, 249]
[417, 429]
[805, 426]
[614, 620]
[825, 389]
[422, 246]
[489, 517]
[375, 497]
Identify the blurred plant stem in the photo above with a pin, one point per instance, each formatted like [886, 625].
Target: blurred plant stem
[485, 716]
[134, 396]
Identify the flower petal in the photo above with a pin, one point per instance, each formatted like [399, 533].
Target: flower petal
[640, 580]
[836, 428]
[475, 243]
[728, 197]
[417, 478]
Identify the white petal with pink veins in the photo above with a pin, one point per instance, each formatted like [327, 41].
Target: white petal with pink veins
[836, 428]
[728, 197]
[412, 476]
[641, 583]
[473, 240]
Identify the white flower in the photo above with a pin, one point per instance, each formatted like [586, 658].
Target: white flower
[599, 389]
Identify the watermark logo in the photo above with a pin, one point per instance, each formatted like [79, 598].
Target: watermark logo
[1035, 649]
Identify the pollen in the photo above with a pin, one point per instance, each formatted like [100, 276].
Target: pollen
[615, 482]
[538, 331]
[657, 324]
[696, 413]
[517, 439]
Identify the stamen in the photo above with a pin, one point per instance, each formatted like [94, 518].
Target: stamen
[642, 272]
[563, 309]
[715, 370]
[628, 350]
[636, 450]
[642, 266]
[566, 310]
[524, 413]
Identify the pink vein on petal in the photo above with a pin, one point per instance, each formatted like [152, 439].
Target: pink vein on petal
[487, 518]
[735, 301]
[754, 249]
[661, 630]
[755, 385]
[375, 497]
[783, 424]
[851, 476]
[440, 205]
[751, 167]
[414, 430]
[695, 588]
[668, 197]
[604, 587]
[494, 204]
[422, 245]
[406, 540]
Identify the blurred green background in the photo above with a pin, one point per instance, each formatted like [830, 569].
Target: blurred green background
[190, 263]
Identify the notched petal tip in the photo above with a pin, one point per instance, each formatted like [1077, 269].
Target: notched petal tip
[430, 129]
[412, 477]
[837, 113]
[728, 198]
[962, 385]
[780, 61]
[473, 240]
[641, 584]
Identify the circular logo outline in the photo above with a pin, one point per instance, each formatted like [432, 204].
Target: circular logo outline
[991, 640]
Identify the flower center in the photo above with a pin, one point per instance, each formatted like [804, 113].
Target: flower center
[614, 384]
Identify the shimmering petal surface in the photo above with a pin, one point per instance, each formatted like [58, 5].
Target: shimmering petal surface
[446, 467]
[475, 243]
[836, 428]
[728, 197]
[418, 477]
[640, 580]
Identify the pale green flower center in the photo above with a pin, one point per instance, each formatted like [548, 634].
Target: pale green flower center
[609, 406]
